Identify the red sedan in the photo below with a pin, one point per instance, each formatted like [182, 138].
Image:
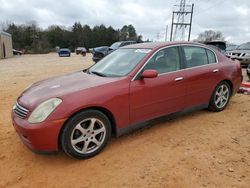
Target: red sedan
[79, 112]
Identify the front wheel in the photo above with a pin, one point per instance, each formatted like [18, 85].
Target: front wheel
[220, 97]
[85, 134]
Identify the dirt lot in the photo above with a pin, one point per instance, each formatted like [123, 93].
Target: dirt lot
[200, 149]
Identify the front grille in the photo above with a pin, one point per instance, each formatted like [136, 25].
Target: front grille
[238, 54]
[98, 54]
[20, 111]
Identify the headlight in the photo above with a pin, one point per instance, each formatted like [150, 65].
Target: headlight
[43, 110]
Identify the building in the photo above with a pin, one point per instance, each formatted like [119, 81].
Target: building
[6, 49]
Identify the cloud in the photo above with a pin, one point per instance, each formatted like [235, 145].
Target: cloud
[149, 17]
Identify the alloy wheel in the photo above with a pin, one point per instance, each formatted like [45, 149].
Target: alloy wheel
[222, 96]
[88, 135]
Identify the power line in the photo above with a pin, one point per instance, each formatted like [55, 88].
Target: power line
[210, 7]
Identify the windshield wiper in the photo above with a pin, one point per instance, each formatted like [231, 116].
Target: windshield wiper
[98, 73]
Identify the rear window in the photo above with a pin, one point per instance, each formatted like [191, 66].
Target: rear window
[195, 56]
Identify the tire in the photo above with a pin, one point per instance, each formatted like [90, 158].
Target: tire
[85, 134]
[220, 97]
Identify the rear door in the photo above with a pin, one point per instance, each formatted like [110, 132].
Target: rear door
[154, 97]
[202, 74]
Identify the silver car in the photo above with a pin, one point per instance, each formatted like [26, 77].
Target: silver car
[241, 53]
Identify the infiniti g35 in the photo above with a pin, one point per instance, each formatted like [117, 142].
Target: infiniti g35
[79, 112]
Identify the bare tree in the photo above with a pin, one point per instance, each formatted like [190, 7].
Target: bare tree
[210, 35]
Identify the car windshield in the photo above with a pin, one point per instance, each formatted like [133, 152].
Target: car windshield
[119, 63]
[232, 47]
[116, 45]
[245, 46]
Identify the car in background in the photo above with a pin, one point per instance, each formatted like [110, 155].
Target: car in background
[218, 45]
[81, 50]
[241, 53]
[101, 52]
[78, 112]
[17, 52]
[231, 47]
[248, 72]
[120, 44]
[64, 52]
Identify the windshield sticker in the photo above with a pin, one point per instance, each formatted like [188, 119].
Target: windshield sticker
[142, 51]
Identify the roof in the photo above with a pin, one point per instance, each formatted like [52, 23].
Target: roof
[154, 45]
[4, 33]
[65, 49]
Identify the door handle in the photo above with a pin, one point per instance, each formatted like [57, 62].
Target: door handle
[215, 70]
[178, 79]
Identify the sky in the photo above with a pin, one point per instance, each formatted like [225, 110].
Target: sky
[150, 18]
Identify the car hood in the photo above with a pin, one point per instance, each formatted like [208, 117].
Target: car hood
[60, 86]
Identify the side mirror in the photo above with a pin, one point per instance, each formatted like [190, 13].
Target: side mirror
[150, 73]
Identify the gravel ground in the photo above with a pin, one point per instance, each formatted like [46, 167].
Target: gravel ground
[199, 149]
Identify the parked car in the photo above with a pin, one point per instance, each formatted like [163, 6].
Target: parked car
[120, 44]
[248, 72]
[231, 47]
[17, 52]
[219, 45]
[242, 54]
[64, 52]
[81, 50]
[101, 52]
[79, 112]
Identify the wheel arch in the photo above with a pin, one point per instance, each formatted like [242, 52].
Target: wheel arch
[105, 111]
[229, 83]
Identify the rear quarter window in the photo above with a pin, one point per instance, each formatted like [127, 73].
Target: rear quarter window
[211, 57]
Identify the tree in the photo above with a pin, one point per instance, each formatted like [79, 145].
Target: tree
[127, 32]
[77, 35]
[33, 39]
[87, 36]
[131, 32]
[139, 39]
[210, 35]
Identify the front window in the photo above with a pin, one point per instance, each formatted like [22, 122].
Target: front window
[164, 61]
[119, 63]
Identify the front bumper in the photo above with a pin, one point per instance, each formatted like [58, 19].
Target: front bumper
[64, 55]
[40, 137]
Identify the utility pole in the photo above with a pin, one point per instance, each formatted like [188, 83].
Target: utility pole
[191, 19]
[181, 21]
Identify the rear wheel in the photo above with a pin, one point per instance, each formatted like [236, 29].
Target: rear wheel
[220, 97]
[85, 134]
